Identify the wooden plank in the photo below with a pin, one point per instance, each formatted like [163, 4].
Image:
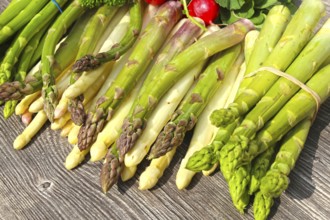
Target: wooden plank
[35, 185]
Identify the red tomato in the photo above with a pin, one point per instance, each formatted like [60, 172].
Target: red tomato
[207, 10]
[155, 2]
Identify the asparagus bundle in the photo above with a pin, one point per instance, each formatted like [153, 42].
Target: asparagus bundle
[302, 68]
[185, 118]
[283, 121]
[294, 38]
[149, 43]
[174, 70]
[276, 179]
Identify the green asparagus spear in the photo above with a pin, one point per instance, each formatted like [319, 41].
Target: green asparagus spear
[56, 31]
[285, 160]
[23, 18]
[100, 21]
[270, 33]
[185, 118]
[90, 62]
[260, 166]
[276, 179]
[294, 38]
[12, 10]
[205, 158]
[64, 56]
[24, 65]
[148, 44]
[34, 26]
[302, 68]
[238, 187]
[262, 205]
[296, 109]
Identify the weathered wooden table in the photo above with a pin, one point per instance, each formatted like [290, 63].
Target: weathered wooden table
[35, 185]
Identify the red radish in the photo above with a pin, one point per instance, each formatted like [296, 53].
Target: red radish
[155, 2]
[207, 10]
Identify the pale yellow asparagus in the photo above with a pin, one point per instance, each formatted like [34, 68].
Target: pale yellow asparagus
[73, 135]
[89, 94]
[30, 131]
[204, 132]
[155, 170]
[127, 173]
[60, 122]
[25, 103]
[67, 128]
[162, 113]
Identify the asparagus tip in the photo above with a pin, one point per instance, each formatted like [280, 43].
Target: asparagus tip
[223, 117]
[86, 63]
[110, 172]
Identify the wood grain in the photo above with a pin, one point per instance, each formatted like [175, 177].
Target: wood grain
[35, 185]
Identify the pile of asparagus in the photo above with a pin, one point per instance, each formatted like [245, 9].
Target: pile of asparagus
[132, 89]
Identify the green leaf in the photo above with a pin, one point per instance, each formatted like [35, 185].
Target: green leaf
[227, 16]
[231, 4]
[258, 18]
[265, 4]
[247, 11]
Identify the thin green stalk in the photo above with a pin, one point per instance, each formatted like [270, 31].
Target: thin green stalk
[23, 18]
[90, 62]
[38, 22]
[24, 65]
[64, 56]
[56, 31]
[12, 10]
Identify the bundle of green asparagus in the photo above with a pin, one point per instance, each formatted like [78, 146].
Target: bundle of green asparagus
[149, 75]
[266, 109]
